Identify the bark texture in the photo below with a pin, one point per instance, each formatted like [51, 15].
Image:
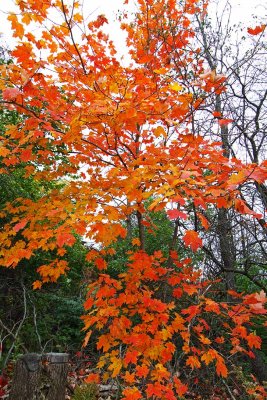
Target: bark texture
[40, 377]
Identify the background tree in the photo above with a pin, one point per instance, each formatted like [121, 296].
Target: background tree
[231, 50]
[237, 246]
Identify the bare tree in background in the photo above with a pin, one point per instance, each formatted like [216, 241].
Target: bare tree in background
[237, 245]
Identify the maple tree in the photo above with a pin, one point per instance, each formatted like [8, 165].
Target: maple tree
[117, 136]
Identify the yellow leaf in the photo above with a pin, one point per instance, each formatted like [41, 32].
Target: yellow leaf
[154, 203]
[161, 71]
[175, 86]
[159, 131]
[26, 18]
[236, 179]
[115, 366]
[165, 334]
[101, 363]
[208, 357]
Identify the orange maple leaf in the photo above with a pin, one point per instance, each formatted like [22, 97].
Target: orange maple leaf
[142, 371]
[192, 240]
[136, 242]
[131, 357]
[193, 362]
[101, 264]
[254, 341]
[18, 29]
[92, 378]
[221, 368]
[203, 339]
[129, 378]
[212, 306]
[65, 238]
[180, 387]
[208, 356]
[205, 223]
[37, 285]
[131, 394]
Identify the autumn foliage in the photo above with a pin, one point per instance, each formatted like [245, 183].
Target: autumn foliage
[112, 134]
[150, 338]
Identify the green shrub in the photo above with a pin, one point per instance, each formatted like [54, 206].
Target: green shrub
[86, 392]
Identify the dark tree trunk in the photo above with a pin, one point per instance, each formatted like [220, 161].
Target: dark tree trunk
[259, 367]
[40, 377]
[227, 247]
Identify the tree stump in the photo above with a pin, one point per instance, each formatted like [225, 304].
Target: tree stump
[40, 377]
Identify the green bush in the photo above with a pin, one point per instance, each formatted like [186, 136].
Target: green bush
[86, 392]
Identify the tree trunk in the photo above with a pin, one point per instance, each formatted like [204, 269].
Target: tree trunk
[227, 249]
[40, 377]
[259, 367]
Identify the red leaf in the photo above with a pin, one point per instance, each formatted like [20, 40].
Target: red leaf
[225, 121]
[192, 240]
[177, 293]
[92, 378]
[258, 29]
[203, 220]
[131, 357]
[217, 114]
[10, 93]
[181, 389]
[173, 214]
[241, 207]
[142, 371]
[21, 225]
[88, 303]
[3, 380]
[65, 238]
[254, 341]
[26, 155]
[101, 263]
